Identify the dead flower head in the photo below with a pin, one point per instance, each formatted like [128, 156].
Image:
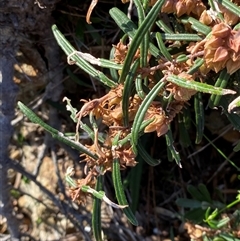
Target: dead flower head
[222, 49]
[181, 7]
[158, 124]
[162, 118]
[77, 194]
[106, 154]
[121, 51]
[109, 107]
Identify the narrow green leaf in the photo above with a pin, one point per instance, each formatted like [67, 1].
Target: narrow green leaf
[129, 27]
[197, 64]
[182, 58]
[113, 72]
[135, 177]
[230, 6]
[207, 212]
[115, 140]
[128, 137]
[93, 122]
[144, 50]
[213, 224]
[127, 91]
[68, 178]
[89, 131]
[145, 42]
[202, 87]
[139, 87]
[55, 133]
[164, 27]
[186, 112]
[196, 25]
[141, 113]
[118, 187]
[169, 155]
[145, 156]
[96, 215]
[104, 63]
[199, 117]
[174, 153]
[101, 195]
[179, 37]
[218, 239]
[163, 48]
[216, 224]
[221, 82]
[214, 7]
[137, 39]
[83, 64]
[123, 22]
[145, 4]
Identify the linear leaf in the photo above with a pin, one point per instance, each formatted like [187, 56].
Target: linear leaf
[202, 87]
[96, 215]
[126, 91]
[141, 113]
[80, 62]
[55, 133]
[145, 156]
[179, 37]
[129, 27]
[118, 187]
[138, 37]
[196, 25]
[171, 148]
[222, 82]
[199, 117]
[230, 6]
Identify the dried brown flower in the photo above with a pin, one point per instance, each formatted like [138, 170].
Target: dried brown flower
[106, 153]
[180, 7]
[222, 49]
[121, 51]
[77, 194]
[159, 123]
[161, 118]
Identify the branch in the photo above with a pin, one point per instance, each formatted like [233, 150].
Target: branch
[8, 92]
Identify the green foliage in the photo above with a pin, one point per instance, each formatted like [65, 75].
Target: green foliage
[202, 209]
[151, 80]
[15, 193]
